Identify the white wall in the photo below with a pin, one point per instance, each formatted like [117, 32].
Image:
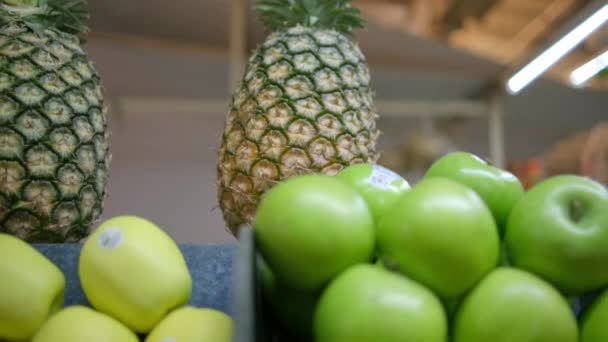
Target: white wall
[163, 168]
[163, 165]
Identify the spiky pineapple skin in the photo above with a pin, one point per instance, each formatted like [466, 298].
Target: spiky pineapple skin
[305, 105]
[54, 150]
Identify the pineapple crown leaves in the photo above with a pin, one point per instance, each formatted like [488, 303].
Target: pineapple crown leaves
[68, 16]
[336, 15]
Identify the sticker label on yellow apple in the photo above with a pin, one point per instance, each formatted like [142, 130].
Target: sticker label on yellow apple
[168, 339]
[382, 177]
[110, 238]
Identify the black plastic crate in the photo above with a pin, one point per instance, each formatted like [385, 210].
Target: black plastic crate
[253, 323]
[246, 296]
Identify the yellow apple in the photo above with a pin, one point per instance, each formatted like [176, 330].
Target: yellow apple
[133, 271]
[79, 324]
[190, 324]
[31, 289]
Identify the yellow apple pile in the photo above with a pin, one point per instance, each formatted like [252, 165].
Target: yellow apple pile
[136, 281]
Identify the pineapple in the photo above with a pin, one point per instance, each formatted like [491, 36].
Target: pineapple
[304, 105]
[53, 135]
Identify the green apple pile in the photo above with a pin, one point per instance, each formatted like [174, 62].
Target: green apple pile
[134, 276]
[464, 255]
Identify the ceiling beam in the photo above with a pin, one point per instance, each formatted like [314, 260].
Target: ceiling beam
[539, 27]
[425, 16]
[391, 15]
[507, 38]
[519, 7]
[564, 28]
[420, 17]
[483, 43]
[501, 18]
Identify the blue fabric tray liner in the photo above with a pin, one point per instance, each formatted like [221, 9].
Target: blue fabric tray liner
[211, 267]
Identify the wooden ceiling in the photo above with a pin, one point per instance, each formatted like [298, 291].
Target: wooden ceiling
[475, 38]
[507, 32]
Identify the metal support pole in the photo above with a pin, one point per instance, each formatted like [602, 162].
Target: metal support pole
[496, 130]
[238, 35]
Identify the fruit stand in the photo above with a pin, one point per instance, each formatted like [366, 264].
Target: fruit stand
[225, 277]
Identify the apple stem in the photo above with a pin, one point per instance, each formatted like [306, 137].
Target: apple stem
[576, 210]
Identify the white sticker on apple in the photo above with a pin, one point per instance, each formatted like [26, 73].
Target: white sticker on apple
[110, 238]
[168, 339]
[382, 177]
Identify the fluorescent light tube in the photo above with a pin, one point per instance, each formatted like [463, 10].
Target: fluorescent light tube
[586, 71]
[558, 50]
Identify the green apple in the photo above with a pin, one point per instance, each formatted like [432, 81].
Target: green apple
[311, 227]
[368, 304]
[132, 270]
[31, 289]
[514, 305]
[191, 324]
[379, 186]
[442, 235]
[499, 188]
[291, 309]
[594, 322]
[80, 323]
[559, 230]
